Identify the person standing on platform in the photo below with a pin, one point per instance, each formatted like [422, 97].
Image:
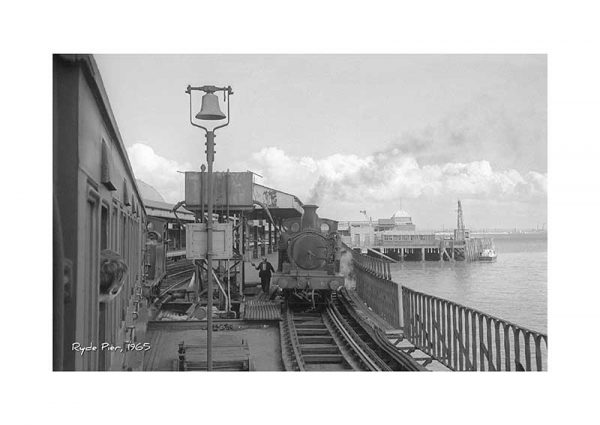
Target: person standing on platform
[264, 272]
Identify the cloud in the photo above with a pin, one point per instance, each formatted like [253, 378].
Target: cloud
[393, 176]
[485, 128]
[484, 150]
[159, 172]
[343, 184]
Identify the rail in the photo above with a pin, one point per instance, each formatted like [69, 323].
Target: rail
[463, 338]
[396, 360]
[290, 343]
[367, 357]
[338, 339]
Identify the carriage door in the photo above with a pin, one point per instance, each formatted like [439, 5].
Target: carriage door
[104, 315]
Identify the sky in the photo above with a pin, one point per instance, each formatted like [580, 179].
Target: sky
[351, 132]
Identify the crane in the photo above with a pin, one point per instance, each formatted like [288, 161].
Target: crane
[459, 234]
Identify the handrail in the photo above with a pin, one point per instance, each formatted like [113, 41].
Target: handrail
[375, 266]
[382, 255]
[463, 338]
[374, 285]
[460, 337]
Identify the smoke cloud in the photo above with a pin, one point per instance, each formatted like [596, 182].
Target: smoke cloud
[508, 137]
[347, 269]
[394, 175]
[485, 152]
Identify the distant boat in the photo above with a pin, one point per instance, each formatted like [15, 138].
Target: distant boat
[488, 255]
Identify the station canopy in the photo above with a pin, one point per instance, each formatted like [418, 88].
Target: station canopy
[238, 193]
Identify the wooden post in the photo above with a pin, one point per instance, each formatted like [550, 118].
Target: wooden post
[422, 254]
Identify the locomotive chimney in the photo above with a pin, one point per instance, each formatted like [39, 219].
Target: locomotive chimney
[310, 219]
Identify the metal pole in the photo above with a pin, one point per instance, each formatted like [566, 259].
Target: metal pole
[243, 252]
[270, 238]
[210, 153]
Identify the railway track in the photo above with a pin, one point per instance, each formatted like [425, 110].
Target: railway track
[178, 267]
[337, 340]
[178, 272]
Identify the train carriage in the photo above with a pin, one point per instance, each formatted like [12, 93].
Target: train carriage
[97, 206]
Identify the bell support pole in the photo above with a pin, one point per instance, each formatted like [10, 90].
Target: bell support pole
[210, 156]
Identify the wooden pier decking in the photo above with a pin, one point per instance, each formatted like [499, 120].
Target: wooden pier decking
[431, 249]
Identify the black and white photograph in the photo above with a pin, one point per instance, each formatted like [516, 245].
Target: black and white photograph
[205, 200]
[355, 212]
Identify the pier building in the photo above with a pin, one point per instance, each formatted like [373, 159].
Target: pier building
[397, 239]
[400, 222]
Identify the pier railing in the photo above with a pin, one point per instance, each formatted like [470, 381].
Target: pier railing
[375, 287]
[463, 338]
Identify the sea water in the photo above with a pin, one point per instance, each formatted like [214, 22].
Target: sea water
[513, 288]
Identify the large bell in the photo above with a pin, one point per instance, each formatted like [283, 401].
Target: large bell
[210, 108]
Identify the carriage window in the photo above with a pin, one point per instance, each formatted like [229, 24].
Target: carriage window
[104, 228]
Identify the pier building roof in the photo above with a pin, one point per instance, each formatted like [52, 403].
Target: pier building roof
[400, 213]
[401, 217]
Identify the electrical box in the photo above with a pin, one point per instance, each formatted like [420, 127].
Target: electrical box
[196, 241]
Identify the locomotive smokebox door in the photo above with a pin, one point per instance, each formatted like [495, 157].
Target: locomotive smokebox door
[309, 251]
[196, 241]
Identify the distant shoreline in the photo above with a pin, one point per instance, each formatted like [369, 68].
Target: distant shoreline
[494, 232]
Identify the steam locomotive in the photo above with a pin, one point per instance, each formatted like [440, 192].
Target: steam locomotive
[309, 268]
